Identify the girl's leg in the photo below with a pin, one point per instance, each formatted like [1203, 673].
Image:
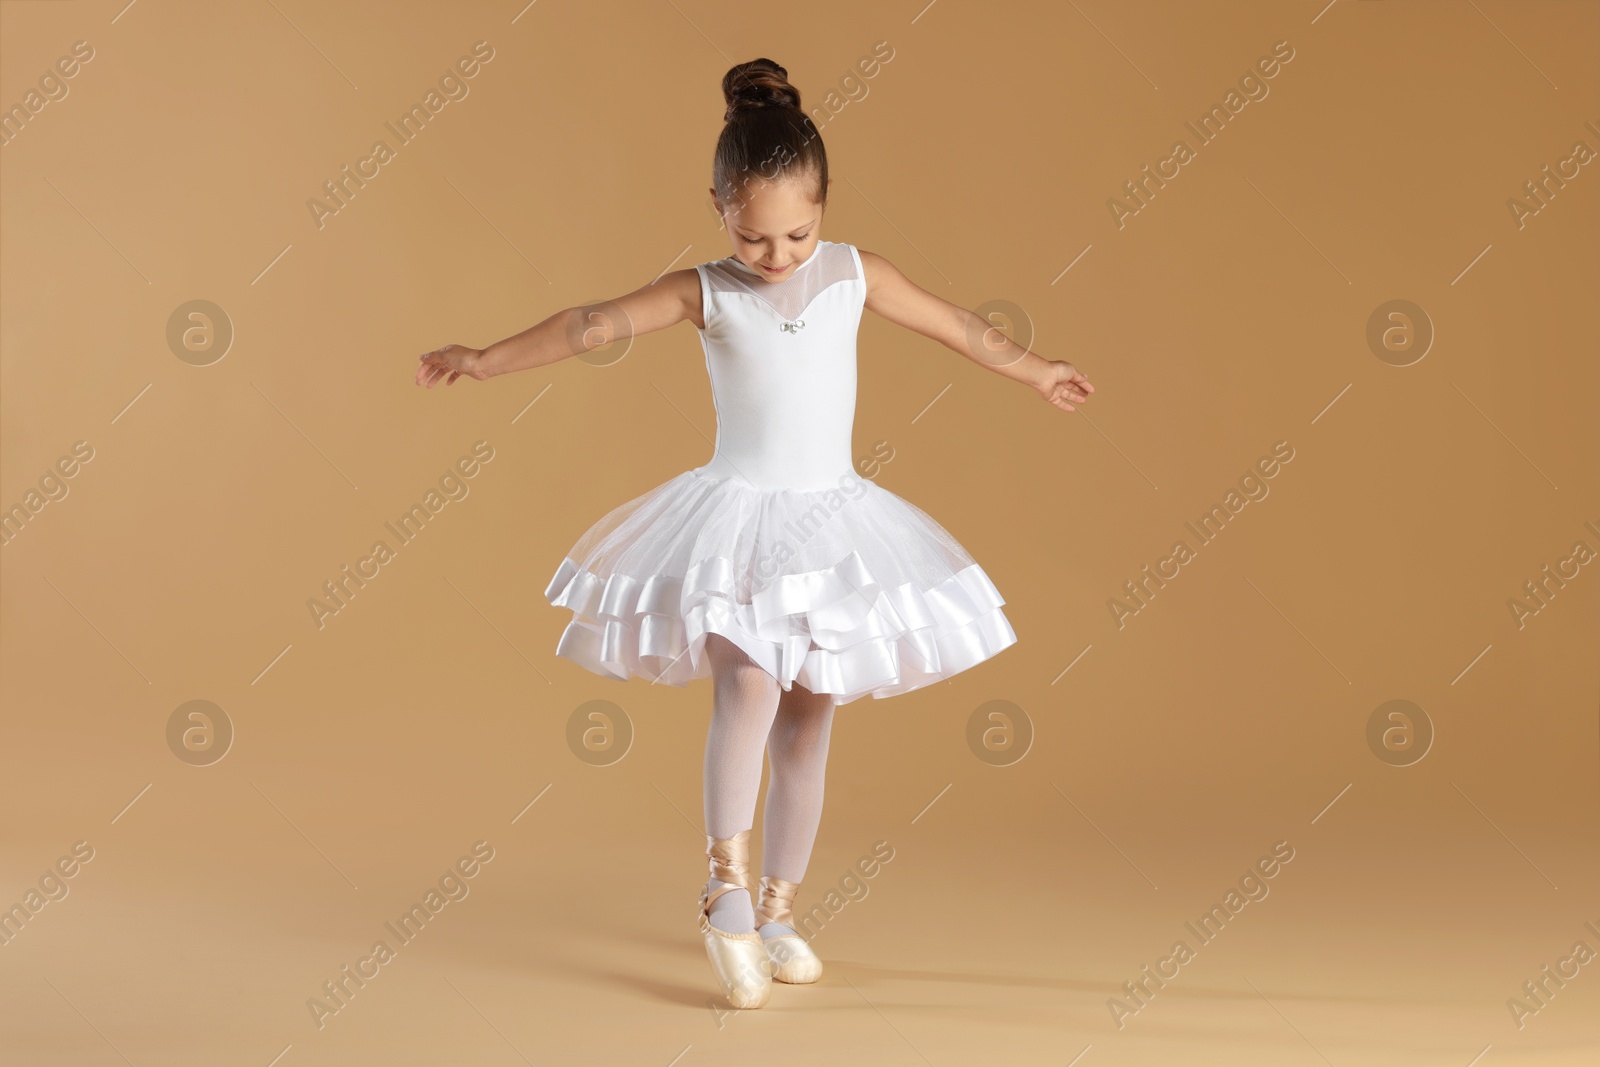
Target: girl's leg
[797, 752]
[744, 703]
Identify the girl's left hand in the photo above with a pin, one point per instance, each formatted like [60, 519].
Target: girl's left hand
[450, 362]
[1063, 385]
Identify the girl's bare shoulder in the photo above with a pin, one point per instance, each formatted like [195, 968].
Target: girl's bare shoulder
[685, 286]
[877, 270]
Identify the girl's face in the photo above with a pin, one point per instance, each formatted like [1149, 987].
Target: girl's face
[776, 226]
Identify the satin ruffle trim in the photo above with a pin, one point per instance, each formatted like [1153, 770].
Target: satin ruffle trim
[869, 639]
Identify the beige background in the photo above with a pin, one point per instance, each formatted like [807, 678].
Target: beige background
[1230, 714]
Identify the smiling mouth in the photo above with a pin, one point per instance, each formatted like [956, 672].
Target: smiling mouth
[772, 270]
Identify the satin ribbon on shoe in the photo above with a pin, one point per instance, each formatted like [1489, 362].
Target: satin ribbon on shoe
[777, 901]
[730, 858]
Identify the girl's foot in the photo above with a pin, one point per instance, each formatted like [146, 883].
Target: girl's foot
[738, 959]
[792, 959]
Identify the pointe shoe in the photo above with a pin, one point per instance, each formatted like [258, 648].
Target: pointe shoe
[792, 959]
[739, 960]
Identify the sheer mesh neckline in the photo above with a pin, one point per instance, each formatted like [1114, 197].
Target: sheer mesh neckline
[830, 263]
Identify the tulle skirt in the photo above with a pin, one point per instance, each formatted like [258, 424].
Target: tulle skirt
[852, 591]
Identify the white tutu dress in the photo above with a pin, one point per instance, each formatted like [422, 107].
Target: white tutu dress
[822, 577]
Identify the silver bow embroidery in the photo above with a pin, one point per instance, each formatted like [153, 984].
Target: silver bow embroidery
[791, 327]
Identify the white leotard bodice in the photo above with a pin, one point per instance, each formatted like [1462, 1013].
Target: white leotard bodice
[782, 361]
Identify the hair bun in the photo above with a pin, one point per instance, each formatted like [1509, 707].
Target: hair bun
[758, 83]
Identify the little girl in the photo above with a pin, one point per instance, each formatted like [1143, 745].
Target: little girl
[796, 585]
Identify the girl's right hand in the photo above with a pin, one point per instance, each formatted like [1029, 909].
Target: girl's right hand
[453, 360]
[1063, 385]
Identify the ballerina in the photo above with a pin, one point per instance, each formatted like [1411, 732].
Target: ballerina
[795, 584]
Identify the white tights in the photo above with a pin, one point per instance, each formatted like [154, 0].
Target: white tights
[750, 713]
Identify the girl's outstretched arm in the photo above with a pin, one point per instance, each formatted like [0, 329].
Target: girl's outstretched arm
[905, 303]
[670, 299]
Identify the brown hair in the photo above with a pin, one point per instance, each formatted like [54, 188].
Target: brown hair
[765, 134]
